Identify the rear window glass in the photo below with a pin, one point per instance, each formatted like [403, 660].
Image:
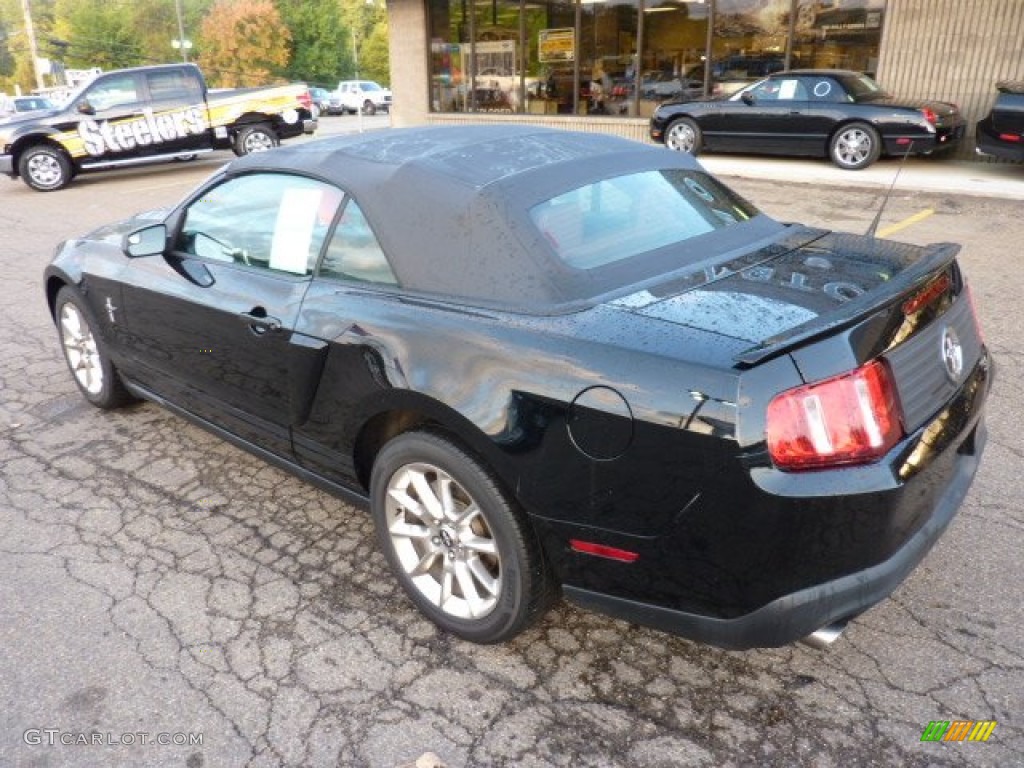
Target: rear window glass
[617, 218]
[863, 88]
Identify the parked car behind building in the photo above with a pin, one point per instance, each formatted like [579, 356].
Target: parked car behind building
[1001, 133]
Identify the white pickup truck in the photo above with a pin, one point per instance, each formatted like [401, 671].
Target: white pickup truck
[354, 95]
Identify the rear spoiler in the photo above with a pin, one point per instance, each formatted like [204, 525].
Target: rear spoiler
[935, 258]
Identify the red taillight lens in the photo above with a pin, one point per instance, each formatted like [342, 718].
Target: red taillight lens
[1010, 137]
[929, 115]
[306, 100]
[849, 419]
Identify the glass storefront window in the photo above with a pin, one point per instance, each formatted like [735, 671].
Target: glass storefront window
[842, 35]
[624, 57]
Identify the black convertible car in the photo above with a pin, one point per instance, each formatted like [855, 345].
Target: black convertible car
[552, 361]
[814, 112]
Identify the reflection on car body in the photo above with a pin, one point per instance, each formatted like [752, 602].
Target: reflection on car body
[555, 361]
[820, 113]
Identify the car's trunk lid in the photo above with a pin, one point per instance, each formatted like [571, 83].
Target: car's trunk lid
[806, 286]
[1008, 111]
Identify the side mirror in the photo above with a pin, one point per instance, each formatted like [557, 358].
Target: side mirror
[747, 97]
[86, 108]
[148, 241]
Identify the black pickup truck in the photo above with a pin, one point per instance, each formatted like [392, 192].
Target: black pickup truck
[145, 115]
[1001, 133]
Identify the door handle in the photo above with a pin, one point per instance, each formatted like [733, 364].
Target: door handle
[259, 321]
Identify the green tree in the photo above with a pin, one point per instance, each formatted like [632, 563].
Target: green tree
[243, 42]
[363, 18]
[375, 64]
[99, 34]
[320, 49]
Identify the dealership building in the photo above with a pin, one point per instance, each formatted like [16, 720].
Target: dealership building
[604, 65]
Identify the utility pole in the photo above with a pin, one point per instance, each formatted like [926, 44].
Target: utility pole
[181, 32]
[33, 51]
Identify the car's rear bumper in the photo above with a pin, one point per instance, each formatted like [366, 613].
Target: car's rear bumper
[990, 142]
[787, 564]
[941, 141]
[796, 615]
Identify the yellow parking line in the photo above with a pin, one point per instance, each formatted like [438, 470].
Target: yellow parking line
[894, 228]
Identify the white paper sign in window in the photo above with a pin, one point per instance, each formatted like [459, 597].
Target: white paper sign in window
[293, 231]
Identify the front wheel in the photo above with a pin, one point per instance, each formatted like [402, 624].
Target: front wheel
[45, 168]
[460, 547]
[855, 146]
[683, 135]
[255, 138]
[95, 375]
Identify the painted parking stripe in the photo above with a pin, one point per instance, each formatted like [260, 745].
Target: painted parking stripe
[894, 228]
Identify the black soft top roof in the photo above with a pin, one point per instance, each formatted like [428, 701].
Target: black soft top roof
[450, 205]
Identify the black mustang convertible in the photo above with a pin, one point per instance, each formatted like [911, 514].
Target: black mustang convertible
[555, 362]
[814, 112]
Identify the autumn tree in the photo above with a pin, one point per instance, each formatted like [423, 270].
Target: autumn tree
[243, 42]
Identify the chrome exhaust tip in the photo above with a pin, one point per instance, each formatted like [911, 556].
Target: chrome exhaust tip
[825, 636]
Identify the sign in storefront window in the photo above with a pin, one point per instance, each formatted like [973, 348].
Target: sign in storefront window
[556, 45]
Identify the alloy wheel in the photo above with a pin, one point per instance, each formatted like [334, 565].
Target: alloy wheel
[258, 141]
[45, 170]
[853, 146]
[681, 137]
[81, 349]
[443, 541]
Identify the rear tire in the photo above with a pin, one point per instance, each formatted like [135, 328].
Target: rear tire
[684, 135]
[369, 108]
[255, 138]
[45, 168]
[85, 353]
[855, 146]
[460, 547]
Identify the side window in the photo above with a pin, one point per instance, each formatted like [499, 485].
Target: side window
[268, 220]
[116, 91]
[172, 84]
[353, 252]
[792, 89]
[779, 89]
[825, 89]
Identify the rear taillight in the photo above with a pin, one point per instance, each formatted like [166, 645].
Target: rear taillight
[1010, 137]
[848, 419]
[929, 115]
[306, 100]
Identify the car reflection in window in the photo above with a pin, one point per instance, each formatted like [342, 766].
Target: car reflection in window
[354, 253]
